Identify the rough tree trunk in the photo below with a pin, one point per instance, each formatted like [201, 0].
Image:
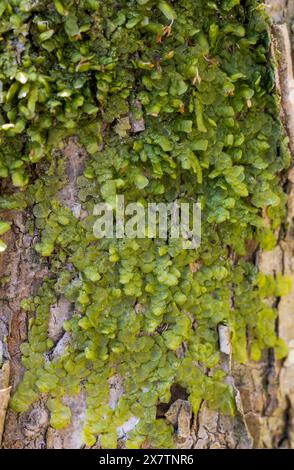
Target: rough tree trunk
[265, 415]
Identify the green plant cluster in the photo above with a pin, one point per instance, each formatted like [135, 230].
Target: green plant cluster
[198, 78]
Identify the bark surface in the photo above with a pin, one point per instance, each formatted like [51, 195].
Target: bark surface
[265, 390]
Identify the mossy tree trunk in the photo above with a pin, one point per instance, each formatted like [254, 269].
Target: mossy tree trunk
[264, 390]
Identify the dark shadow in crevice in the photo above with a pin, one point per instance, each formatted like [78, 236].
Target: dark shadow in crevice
[177, 392]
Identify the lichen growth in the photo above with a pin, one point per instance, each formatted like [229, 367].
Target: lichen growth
[199, 74]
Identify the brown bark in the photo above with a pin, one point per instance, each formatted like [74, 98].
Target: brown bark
[264, 390]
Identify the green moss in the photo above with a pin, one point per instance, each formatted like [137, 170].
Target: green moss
[204, 81]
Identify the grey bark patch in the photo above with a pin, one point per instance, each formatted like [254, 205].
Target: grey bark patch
[128, 426]
[137, 125]
[75, 156]
[58, 314]
[71, 437]
[180, 416]
[116, 390]
[35, 421]
[61, 345]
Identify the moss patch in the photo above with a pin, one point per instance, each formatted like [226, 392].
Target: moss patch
[196, 78]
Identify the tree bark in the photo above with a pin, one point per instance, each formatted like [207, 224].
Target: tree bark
[264, 390]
